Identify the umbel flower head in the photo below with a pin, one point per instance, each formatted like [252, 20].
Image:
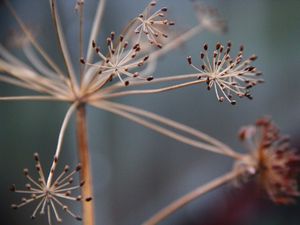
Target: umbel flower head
[227, 75]
[121, 60]
[153, 25]
[49, 196]
[277, 164]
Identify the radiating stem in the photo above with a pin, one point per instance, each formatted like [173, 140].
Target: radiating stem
[177, 41]
[162, 130]
[63, 45]
[147, 91]
[161, 79]
[86, 174]
[178, 126]
[95, 29]
[32, 40]
[81, 30]
[32, 98]
[60, 142]
[179, 203]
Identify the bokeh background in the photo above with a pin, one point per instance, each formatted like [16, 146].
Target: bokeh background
[137, 171]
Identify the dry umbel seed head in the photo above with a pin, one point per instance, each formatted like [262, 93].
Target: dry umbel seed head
[121, 60]
[225, 74]
[276, 164]
[49, 196]
[153, 25]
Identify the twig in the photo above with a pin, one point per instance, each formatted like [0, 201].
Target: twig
[95, 29]
[63, 45]
[147, 91]
[195, 143]
[60, 141]
[176, 125]
[32, 98]
[174, 206]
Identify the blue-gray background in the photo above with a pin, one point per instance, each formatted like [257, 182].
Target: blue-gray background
[136, 171]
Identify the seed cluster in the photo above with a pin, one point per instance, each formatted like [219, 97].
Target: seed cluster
[153, 25]
[120, 61]
[226, 74]
[49, 196]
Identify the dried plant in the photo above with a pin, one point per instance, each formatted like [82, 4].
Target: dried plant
[271, 161]
[127, 64]
[48, 193]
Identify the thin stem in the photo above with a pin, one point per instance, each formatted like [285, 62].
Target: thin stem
[147, 91]
[181, 138]
[95, 29]
[177, 41]
[86, 173]
[63, 45]
[32, 98]
[20, 83]
[154, 81]
[176, 125]
[174, 206]
[11, 58]
[60, 141]
[41, 68]
[32, 39]
[32, 80]
[81, 30]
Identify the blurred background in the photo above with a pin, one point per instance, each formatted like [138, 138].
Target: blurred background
[137, 171]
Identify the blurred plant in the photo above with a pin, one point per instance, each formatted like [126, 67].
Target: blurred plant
[129, 63]
[271, 160]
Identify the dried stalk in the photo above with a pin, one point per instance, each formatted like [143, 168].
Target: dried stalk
[162, 130]
[62, 45]
[86, 174]
[176, 125]
[167, 211]
[95, 29]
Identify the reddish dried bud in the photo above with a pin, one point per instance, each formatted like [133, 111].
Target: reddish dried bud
[278, 165]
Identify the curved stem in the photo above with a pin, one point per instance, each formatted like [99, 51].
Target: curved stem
[174, 206]
[181, 138]
[176, 125]
[60, 142]
[86, 174]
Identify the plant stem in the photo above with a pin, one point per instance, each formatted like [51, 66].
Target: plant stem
[179, 203]
[86, 174]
